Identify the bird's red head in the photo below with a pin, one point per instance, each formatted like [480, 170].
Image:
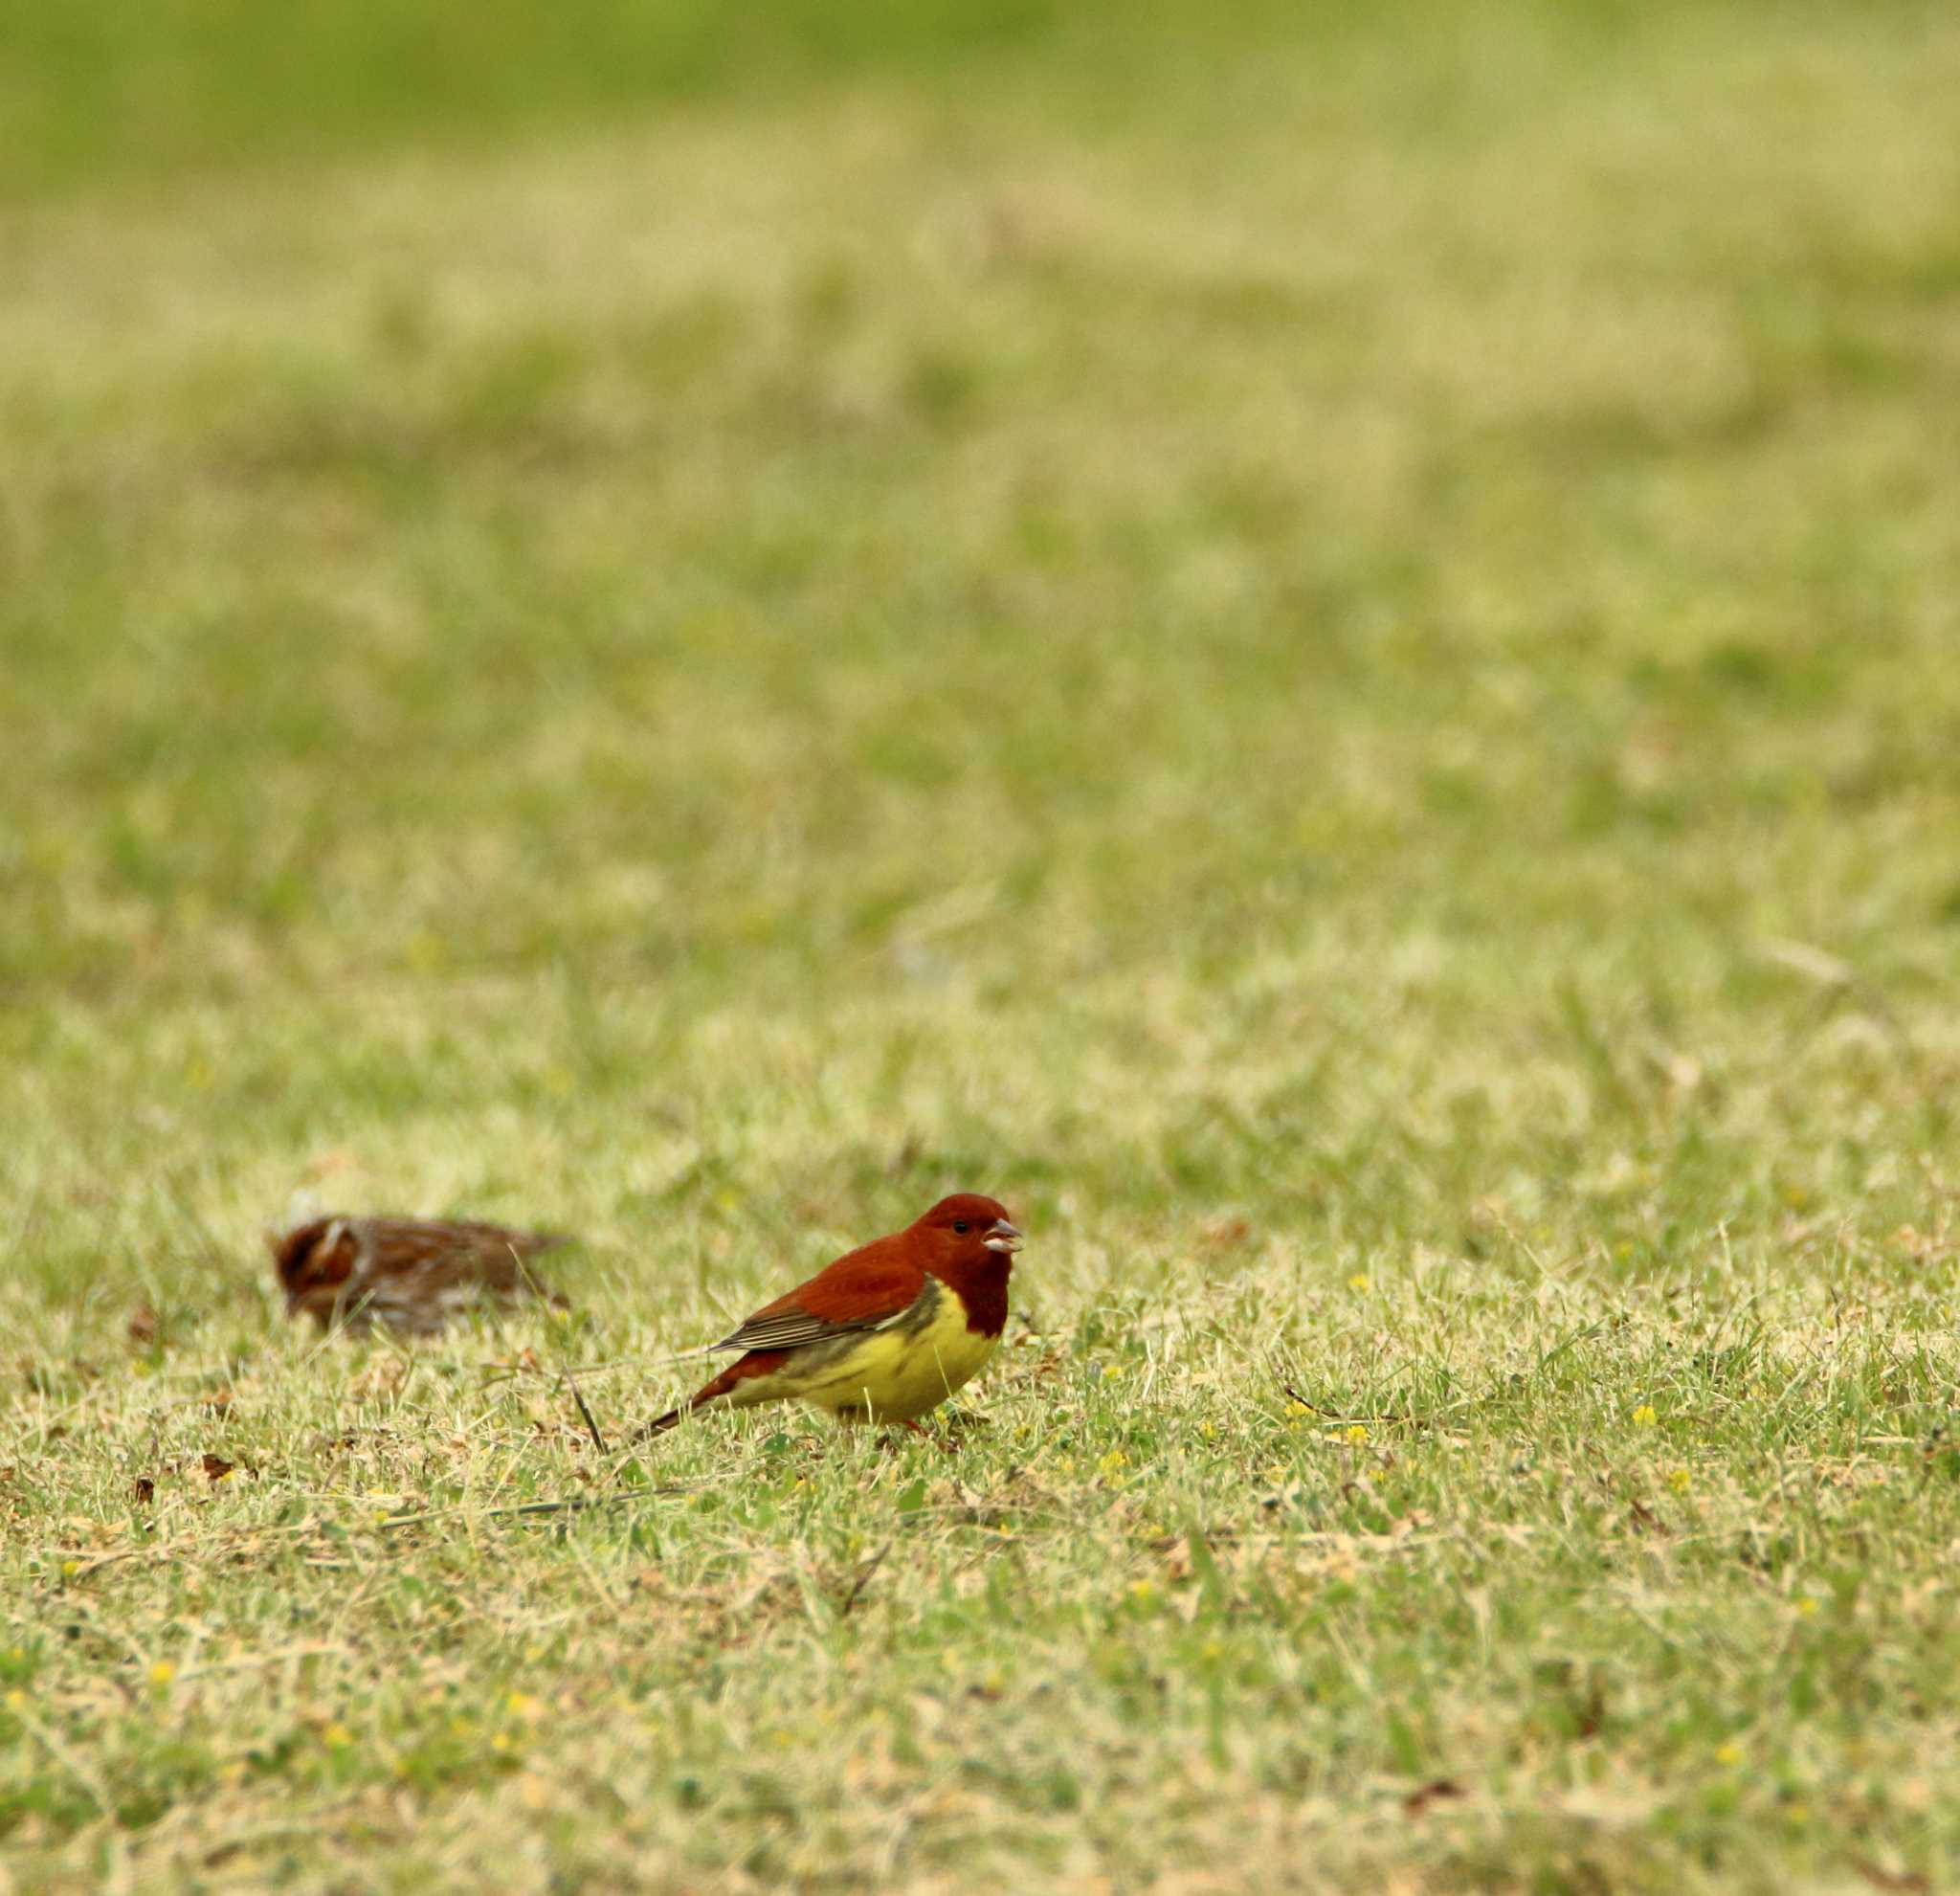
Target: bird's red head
[969, 1231]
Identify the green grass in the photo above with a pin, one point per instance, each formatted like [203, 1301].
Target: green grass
[138, 85]
[1323, 655]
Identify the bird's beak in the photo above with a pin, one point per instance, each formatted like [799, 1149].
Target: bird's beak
[1004, 1237]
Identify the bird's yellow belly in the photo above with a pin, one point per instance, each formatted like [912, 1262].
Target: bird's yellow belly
[890, 1376]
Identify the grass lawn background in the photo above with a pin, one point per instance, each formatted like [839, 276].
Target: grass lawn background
[1321, 650]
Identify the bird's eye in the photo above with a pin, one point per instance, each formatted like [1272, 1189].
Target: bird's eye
[960, 1225]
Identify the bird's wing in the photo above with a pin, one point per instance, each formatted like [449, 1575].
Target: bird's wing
[441, 1252]
[502, 1240]
[864, 1291]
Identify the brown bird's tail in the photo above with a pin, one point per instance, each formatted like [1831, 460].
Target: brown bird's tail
[660, 1425]
[756, 1363]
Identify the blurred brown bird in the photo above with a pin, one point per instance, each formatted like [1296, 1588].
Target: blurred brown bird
[410, 1274]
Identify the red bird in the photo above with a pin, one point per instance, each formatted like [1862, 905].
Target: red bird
[887, 1332]
[411, 1274]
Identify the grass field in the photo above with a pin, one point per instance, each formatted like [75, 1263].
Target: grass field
[1321, 650]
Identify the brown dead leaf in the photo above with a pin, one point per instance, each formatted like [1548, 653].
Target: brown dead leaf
[143, 1324]
[1047, 1366]
[1435, 1791]
[145, 1491]
[383, 1378]
[1917, 1243]
[1906, 1881]
[216, 1468]
[219, 1399]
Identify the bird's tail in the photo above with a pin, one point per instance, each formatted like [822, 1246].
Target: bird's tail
[756, 1363]
[660, 1425]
